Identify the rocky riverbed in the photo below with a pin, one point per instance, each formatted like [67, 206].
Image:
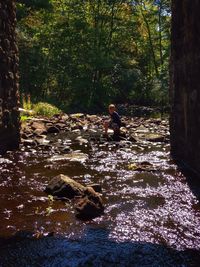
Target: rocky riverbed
[81, 128]
[151, 210]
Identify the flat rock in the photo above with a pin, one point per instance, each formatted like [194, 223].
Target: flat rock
[143, 166]
[77, 116]
[142, 129]
[155, 137]
[73, 156]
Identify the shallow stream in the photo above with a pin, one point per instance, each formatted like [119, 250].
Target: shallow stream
[152, 218]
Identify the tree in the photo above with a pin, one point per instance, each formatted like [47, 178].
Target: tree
[9, 115]
[84, 54]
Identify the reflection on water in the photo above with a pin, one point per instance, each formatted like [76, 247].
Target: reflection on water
[151, 215]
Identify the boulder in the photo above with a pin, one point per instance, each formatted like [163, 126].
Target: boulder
[63, 186]
[90, 206]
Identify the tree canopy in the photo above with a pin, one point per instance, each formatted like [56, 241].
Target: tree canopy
[84, 54]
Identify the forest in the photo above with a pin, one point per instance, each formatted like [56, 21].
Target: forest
[82, 55]
[99, 133]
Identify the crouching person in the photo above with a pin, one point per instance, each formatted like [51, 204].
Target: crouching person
[114, 123]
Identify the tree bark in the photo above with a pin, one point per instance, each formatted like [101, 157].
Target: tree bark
[9, 98]
[185, 82]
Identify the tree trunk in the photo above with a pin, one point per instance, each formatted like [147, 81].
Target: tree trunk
[160, 33]
[9, 115]
[151, 45]
[185, 82]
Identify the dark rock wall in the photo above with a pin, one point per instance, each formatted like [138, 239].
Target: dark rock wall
[9, 115]
[185, 82]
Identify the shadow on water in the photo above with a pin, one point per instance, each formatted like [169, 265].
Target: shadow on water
[95, 248]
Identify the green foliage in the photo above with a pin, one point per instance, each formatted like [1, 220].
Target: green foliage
[24, 118]
[45, 109]
[85, 54]
[26, 102]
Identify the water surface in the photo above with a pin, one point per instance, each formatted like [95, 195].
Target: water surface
[151, 218]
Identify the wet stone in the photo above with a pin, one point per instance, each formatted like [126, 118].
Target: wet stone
[90, 206]
[143, 166]
[29, 142]
[64, 186]
[73, 156]
[155, 138]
